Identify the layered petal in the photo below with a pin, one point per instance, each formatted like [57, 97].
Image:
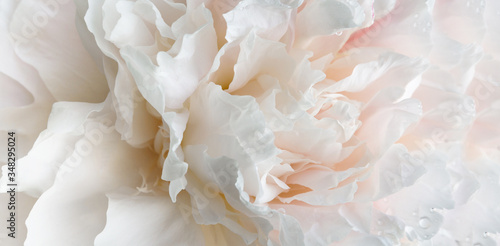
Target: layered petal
[45, 37]
[99, 163]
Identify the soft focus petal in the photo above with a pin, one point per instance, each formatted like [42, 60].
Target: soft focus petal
[96, 169]
[269, 19]
[165, 221]
[46, 38]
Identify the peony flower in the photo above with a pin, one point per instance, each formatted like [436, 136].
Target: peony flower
[317, 122]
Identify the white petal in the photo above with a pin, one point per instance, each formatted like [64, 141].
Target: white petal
[383, 7]
[269, 19]
[134, 122]
[322, 17]
[418, 205]
[358, 215]
[290, 231]
[395, 170]
[38, 169]
[177, 75]
[208, 206]
[392, 120]
[259, 56]
[321, 225]
[230, 182]
[48, 40]
[62, 216]
[174, 167]
[230, 126]
[25, 101]
[13, 94]
[148, 220]
[389, 70]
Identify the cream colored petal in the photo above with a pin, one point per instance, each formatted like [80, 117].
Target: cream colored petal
[62, 216]
[160, 221]
[48, 41]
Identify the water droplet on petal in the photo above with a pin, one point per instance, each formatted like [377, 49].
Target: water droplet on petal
[424, 222]
[338, 33]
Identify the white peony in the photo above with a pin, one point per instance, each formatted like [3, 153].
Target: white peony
[254, 122]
